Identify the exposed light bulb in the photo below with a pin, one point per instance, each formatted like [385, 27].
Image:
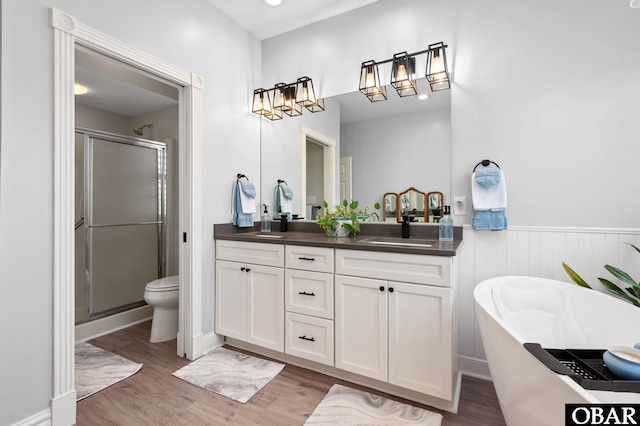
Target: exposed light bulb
[79, 89]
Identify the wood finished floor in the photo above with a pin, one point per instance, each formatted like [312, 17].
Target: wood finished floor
[154, 397]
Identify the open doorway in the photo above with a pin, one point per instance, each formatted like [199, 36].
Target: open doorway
[69, 33]
[317, 171]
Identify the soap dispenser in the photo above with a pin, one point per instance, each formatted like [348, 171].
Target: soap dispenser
[446, 225]
[265, 220]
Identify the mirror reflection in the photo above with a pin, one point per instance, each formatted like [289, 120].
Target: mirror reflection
[380, 148]
[412, 203]
[390, 207]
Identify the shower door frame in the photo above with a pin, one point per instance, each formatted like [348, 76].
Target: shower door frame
[161, 148]
[67, 33]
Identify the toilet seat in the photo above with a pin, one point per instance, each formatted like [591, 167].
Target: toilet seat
[163, 284]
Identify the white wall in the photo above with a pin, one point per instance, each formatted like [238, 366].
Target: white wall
[190, 34]
[396, 153]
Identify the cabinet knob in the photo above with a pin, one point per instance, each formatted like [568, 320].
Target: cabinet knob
[247, 269]
[243, 268]
[390, 289]
[381, 288]
[310, 339]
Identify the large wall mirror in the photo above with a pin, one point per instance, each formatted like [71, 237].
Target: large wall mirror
[390, 146]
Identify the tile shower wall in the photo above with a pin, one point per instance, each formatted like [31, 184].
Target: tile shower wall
[535, 251]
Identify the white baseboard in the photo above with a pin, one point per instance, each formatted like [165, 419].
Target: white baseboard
[211, 341]
[474, 367]
[42, 418]
[63, 409]
[102, 326]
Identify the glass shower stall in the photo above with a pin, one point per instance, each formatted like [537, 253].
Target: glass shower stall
[121, 221]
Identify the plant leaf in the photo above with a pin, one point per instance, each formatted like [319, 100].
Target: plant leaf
[637, 249]
[621, 275]
[618, 292]
[575, 277]
[354, 205]
[377, 207]
[325, 204]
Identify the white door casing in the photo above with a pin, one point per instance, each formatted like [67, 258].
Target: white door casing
[67, 33]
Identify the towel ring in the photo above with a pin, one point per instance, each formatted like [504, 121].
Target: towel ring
[282, 181]
[240, 176]
[485, 163]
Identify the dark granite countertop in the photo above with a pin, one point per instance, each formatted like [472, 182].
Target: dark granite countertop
[378, 236]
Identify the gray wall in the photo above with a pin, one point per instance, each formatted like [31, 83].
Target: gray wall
[554, 107]
[190, 34]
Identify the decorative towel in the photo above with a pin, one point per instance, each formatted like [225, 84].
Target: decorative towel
[247, 196]
[488, 190]
[489, 195]
[238, 216]
[283, 197]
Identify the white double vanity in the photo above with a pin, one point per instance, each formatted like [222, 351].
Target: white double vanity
[380, 316]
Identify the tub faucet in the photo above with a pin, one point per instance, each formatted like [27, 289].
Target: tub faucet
[406, 231]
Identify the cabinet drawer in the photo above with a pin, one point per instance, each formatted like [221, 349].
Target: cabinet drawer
[318, 259]
[256, 253]
[309, 338]
[309, 293]
[412, 268]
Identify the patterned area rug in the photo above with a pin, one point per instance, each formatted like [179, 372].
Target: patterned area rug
[97, 369]
[346, 406]
[236, 375]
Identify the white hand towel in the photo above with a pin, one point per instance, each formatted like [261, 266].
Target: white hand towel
[285, 205]
[486, 197]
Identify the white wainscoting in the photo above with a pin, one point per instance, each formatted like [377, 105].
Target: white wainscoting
[535, 251]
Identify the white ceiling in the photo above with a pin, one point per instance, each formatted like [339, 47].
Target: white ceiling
[265, 21]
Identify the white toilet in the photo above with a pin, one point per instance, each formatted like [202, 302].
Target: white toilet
[162, 294]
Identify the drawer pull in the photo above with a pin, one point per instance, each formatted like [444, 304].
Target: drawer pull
[304, 293]
[310, 339]
[307, 258]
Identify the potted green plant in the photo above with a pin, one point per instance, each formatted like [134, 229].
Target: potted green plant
[633, 291]
[344, 219]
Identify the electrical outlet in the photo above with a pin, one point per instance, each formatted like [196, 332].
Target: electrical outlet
[460, 206]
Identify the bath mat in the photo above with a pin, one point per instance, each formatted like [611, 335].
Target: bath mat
[97, 369]
[236, 375]
[346, 406]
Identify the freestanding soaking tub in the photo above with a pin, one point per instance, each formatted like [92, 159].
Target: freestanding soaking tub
[515, 310]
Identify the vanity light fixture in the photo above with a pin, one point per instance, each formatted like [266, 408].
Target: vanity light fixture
[261, 102]
[370, 82]
[437, 72]
[287, 98]
[403, 73]
[306, 95]
[274, 113]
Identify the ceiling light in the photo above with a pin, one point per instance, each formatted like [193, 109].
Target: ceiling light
[423, 96]
[79, 89]
[273, 3]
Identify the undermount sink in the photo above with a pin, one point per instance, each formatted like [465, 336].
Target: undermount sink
[403, 242]
[251, 234]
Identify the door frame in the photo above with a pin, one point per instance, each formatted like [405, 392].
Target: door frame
[329, 165]
[67, 33]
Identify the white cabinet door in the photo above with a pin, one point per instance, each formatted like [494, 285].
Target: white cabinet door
[231, 300]
[420, 342]
[265, 310]
[361, 326]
